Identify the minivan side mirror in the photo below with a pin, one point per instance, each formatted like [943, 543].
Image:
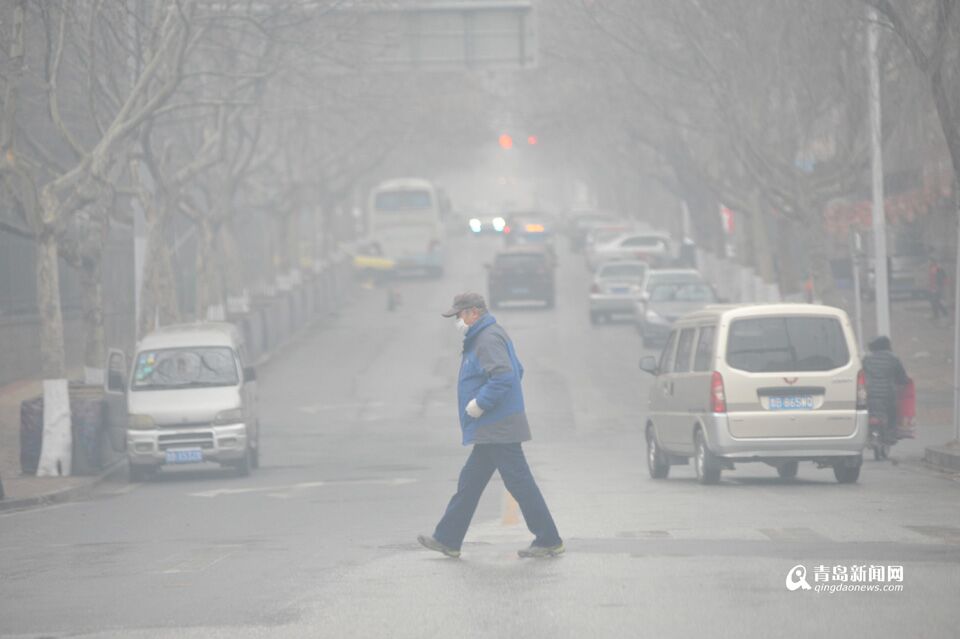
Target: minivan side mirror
[648, 364]
[250, 374]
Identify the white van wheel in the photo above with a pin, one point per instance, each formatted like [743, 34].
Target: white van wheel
[705, 464]
[788, 470]
[657, 462]
[848, 472]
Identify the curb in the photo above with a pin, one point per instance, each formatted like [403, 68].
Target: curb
[945, 458]
[65, 495]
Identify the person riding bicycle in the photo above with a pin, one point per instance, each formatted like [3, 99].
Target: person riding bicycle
[885, 377]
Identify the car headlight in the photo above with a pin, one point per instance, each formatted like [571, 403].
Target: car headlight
[498, 224]
[231, 416]
[140, 422]
[475, 225]
[655, 318]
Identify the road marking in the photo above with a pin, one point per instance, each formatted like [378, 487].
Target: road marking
[285, 492]
[199, 560]
[314, 409]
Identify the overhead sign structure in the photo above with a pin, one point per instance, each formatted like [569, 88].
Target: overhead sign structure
[450, 36]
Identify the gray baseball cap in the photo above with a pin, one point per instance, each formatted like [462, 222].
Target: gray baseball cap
[463, 301]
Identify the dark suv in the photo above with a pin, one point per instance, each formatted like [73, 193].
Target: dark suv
[521, 273]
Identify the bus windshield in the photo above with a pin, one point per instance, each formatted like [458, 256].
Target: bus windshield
[402, 200]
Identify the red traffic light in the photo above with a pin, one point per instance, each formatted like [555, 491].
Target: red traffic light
[532, 140]
[506, 142]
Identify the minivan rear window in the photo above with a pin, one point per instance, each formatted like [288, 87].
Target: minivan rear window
[786, 344]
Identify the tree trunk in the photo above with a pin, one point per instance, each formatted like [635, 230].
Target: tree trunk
[158, 303]
[817, 244]
[760, 241]
[53, 363]
[91, 279]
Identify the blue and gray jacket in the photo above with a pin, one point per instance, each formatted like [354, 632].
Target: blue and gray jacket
[490, 373]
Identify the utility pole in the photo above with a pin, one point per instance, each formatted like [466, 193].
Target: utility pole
[882, 277]
[956, 323]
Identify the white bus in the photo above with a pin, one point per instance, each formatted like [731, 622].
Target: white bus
[406, 224]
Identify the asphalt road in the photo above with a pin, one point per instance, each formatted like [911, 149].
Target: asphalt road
[361, 453]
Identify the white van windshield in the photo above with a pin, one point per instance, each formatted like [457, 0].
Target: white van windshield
[172, 368]
[786, 344]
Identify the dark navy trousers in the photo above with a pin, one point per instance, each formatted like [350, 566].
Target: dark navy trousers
[510, 461]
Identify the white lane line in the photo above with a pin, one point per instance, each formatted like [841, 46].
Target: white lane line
[285, 492]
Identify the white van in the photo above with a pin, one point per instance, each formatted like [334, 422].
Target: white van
[192, 398]
[772, 383]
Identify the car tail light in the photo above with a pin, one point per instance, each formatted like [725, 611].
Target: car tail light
[718, 398]
[433, 245]
[861, 390]
[506, 229]
[594, 288]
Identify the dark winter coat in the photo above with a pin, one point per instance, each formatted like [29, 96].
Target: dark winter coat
[885, 375]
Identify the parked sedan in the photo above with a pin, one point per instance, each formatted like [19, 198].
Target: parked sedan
[665, 303]
[656, 277]
[651, 247]
[582, 222]
[600, 235]
[521, 273]
[615, 288]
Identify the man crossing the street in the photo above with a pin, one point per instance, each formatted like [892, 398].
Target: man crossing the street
[494, 422]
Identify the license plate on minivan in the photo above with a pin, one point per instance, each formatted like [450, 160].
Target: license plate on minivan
[795, 402]
[186, 456]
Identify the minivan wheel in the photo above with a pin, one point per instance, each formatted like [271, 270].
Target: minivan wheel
[704, 462]
[244, 465]
[140, 473]
[847, 472]
[657, 462]
[788, 470]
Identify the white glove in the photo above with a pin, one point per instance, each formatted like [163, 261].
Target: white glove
[473, 410]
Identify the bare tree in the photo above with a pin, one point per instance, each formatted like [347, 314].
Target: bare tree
[94, 103]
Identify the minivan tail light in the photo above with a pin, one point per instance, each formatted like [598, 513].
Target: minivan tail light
[861, 390]
[718, 398]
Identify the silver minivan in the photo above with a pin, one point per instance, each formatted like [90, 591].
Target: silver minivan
[772, 383]
[192, 398]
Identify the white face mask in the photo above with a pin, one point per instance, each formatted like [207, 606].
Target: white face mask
[462, 326]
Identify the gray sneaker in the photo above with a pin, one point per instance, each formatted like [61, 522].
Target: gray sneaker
[541, 552]
[429, 542]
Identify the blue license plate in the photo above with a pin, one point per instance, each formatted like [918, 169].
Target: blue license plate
[798, 402]
[620, 289]
[188, 456]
